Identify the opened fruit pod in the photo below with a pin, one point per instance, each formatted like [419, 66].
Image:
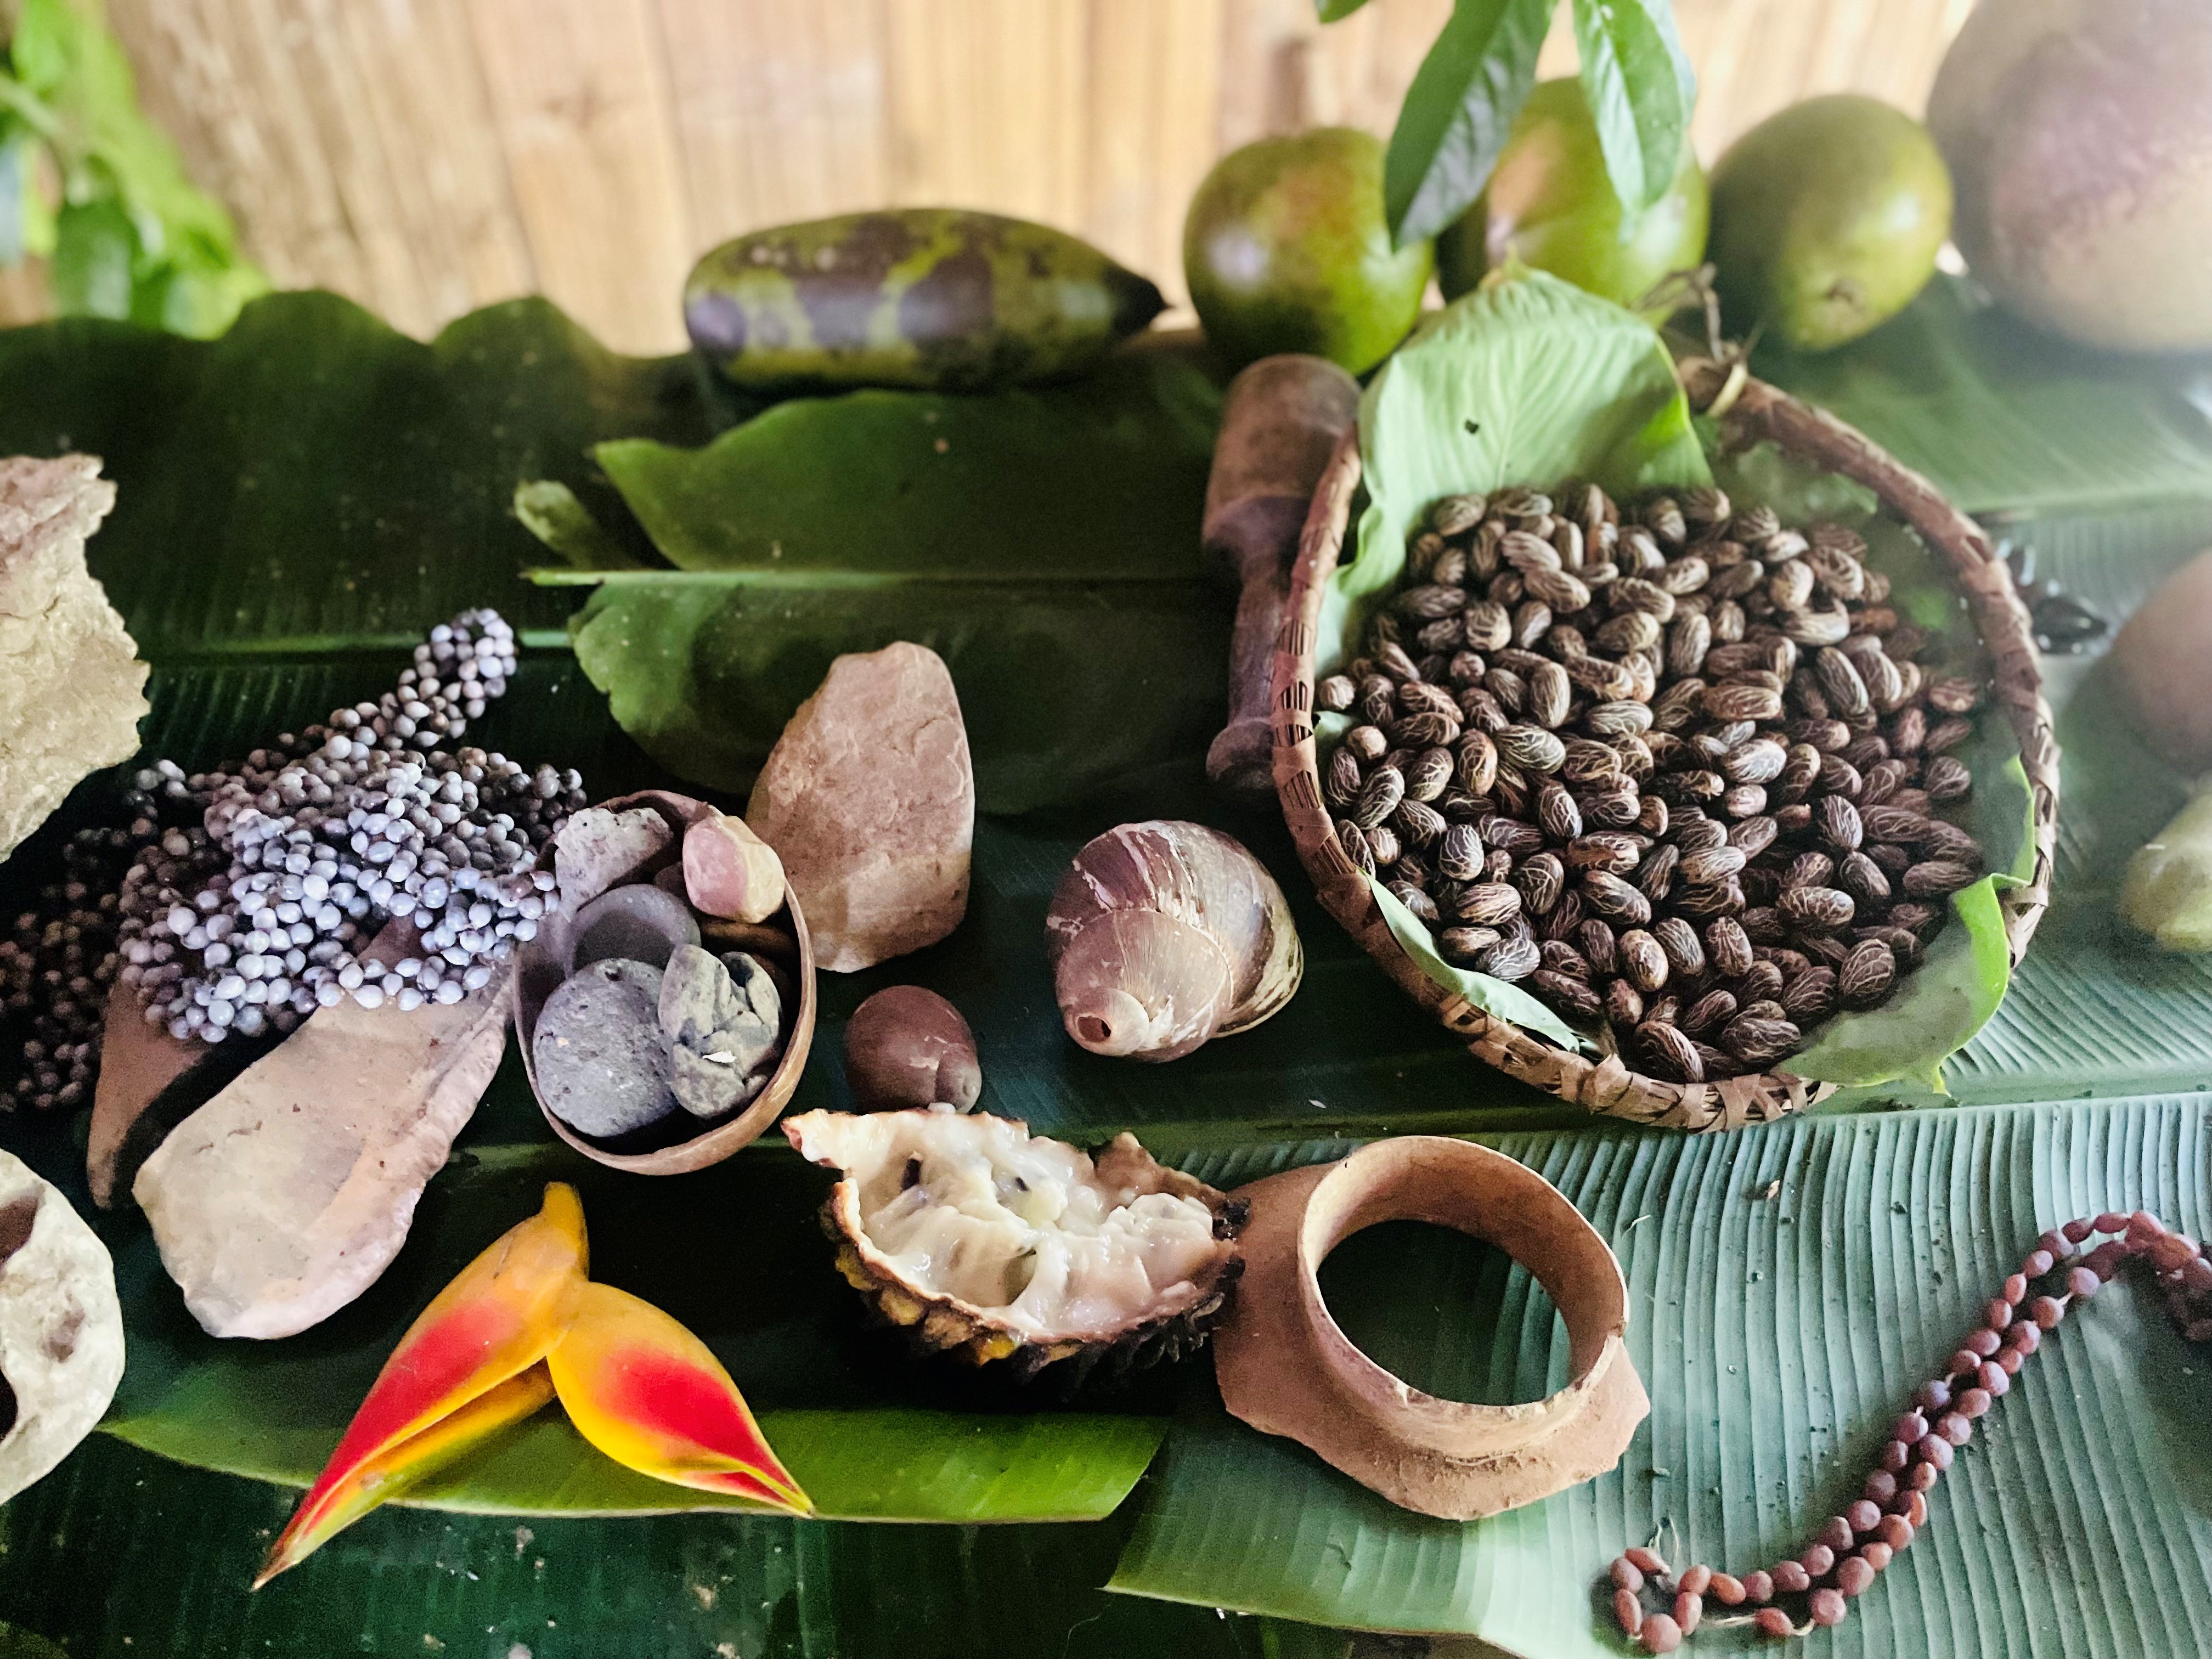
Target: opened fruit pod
[1694, 850]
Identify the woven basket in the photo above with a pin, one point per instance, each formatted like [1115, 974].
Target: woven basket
[1749, 410]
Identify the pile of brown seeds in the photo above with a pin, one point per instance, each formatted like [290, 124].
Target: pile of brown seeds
[1676, 770]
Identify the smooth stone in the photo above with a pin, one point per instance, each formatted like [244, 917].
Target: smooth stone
[597, 849]
[722, 1018]
[869, 798]
[638, 923]
[284, 1197]
[602, 1064]
[731, 873]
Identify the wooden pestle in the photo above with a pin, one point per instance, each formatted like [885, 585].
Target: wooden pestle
[1282, 421]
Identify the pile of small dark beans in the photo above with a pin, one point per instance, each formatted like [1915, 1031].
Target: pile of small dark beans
[1660, 1609]
[1677, 771]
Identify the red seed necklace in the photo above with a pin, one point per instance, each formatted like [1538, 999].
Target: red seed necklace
[1852, 1548]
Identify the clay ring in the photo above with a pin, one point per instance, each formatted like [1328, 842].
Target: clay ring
[1285, 1368]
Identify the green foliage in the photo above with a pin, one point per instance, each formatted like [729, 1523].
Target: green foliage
[132, 237]
[1459, 110]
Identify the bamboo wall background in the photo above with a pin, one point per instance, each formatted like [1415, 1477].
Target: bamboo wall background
[428, 156]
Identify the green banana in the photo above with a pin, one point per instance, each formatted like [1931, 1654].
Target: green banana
[936, 299]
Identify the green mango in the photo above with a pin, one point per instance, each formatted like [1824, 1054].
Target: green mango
[932, 299]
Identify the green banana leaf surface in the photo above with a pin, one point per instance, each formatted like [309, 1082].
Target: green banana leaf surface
[301, 499]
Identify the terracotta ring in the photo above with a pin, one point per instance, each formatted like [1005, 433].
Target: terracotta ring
[1285, 1368]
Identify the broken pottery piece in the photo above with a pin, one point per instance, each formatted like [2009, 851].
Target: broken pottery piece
[640, 923]
[869, 798]
[150, 1082]
[720, 1017]
[71, 688]
[602, 1064]
[61, 1326]
[287, 1194]
[731, 873]
[1286, 1368]
[601, 847]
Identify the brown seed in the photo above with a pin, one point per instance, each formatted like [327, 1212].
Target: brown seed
[1838, 822]
[1511, 834]
[1817, 627]
[1952, 694]
[1604, 679]
[1757, 1042]
[1810, 996]
[1629, 630]
[1477, 768]
[1607, 895]
[1424, 731]
[1486, 625]
[1635, 593]
[1714, 865]
[1488, 903]
[1937, 877]
[1684, 575]
[1652, 815]
[1615, 806]
[1604, 849]
[1341, 785]
[1617, 718]
[1861, 878]
[1335, 694]
[1418, 903]
[1540, 881]
[1561, 820]
[1460, 853]
[1948, 778]
[1685, 954]
[1754, 834]
[1464, 944]
[1561, 957]
[1353, 841]
[1379, 797]
[1382, 842]
[1709, 1012]
[1760, 761]
[1368, 743]
[1563, 594]
[1809, 870]
[1734, 701]
[1791, 587]
[1395, 664]
[1600, 947]
[1656, 880]
[1624, 1005]
[1728, 947]
[1689, 637]
[1511, 958]
[1815, 906]
[1532, 748]
[1418, 825]
[1428, 773]
[1947, 735]
[1550, 693]
[1697, 833]
[1679, 704]
[1573, 997]
[1420, 697]
[1668, 1053]
[1643, 960]
[1455, 515]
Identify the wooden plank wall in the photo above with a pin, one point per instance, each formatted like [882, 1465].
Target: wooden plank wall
[427, 156]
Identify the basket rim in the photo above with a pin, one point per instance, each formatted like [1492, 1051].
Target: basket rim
[1748, 410]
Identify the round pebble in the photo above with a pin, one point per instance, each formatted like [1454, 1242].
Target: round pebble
[602, 1064]
[637, 923]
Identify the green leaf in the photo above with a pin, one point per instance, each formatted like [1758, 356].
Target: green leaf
[1494, 996]
[1778, 1339]
[95, 248]
[1044, 540]
[1335, 11]
[1458, 112]
[1641, 91]
[2005, 418]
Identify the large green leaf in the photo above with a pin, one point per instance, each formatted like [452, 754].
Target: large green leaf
[1641, 89]
[1777, 1336]
[2006, 419]
[1459, 111]
[1044, 542]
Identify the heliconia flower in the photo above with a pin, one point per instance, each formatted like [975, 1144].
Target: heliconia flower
[653, 1397]
[503, 1313]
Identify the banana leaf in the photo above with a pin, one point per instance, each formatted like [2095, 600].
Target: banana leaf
[1789, 1290]
[2006, 419]
[1041, 539]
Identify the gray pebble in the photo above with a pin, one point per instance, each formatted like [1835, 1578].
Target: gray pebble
[721, 1019]
[602, 1063]
[638, 923]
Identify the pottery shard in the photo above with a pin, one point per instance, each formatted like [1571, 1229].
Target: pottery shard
[61, 1326]
[869, 798]
[71, 688]
[284, 1197]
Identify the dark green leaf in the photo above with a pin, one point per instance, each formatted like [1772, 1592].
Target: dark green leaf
[1778, 1339]
[94, 247]
[1641, 90]
[1458, 112]
[2005, 419]
[1335, 11]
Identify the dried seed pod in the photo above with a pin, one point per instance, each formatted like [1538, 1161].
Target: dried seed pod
[1937, 877]
[1685, 954]
[1607, 895]
[1163, 935]
[1643, 960]
[1728, 947]
[1867, 974]
[1572, 997]
[1666, 1053]
[1815, 906]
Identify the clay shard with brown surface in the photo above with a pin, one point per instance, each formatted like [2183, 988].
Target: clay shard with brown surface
[71, 688]
[869, 798]
[1286, 1367]
[287, 1195]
